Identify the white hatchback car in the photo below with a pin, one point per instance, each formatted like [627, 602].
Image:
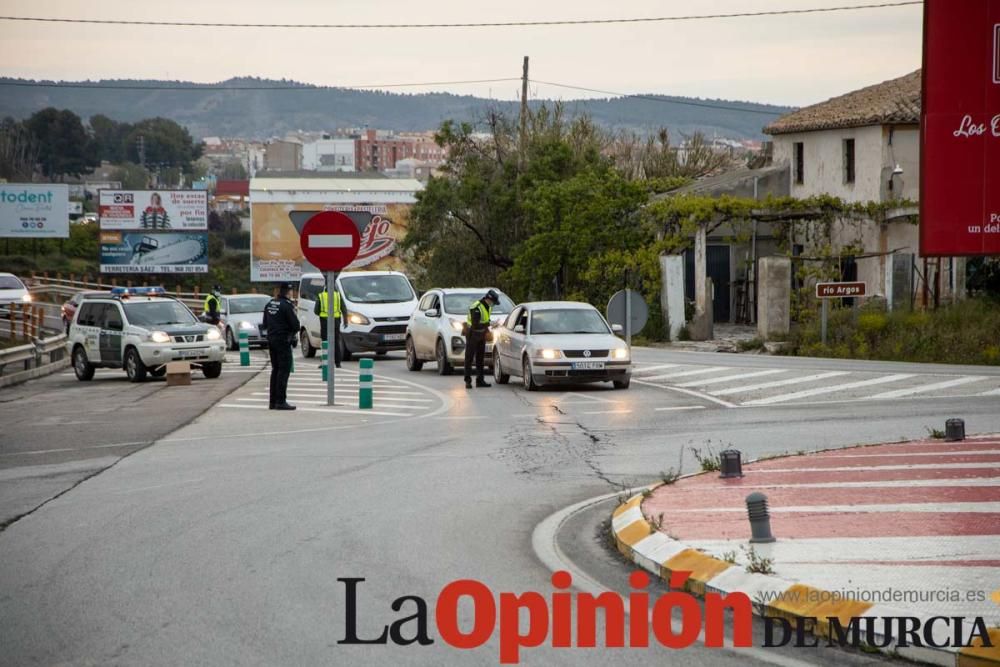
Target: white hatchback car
[434, 332]
[560, 342]
[12, 290]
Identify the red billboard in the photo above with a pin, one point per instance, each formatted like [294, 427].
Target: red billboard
[960, 129]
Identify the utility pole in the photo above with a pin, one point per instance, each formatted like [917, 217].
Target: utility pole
[524, 115]
[141, 145]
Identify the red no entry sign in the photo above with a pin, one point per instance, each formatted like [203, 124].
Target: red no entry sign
[330, 240]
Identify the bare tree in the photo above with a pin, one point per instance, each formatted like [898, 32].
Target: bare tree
[18, 151]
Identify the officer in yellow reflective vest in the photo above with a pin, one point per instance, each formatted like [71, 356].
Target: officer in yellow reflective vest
[322, 309]
[212, 306]
[478, 321]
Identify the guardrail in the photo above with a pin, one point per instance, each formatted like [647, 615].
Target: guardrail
[66, 288]
[39, 357]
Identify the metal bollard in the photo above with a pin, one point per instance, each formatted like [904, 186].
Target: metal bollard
[366, 381]
[244, 348]
[760, 520]
[954, 430]
[323, 354]
[730, 464]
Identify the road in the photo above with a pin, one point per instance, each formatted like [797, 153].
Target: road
[223, 542]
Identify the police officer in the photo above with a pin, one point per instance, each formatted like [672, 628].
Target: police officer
[212, 304]
[478, 321]
[323, 310]
[282, 328]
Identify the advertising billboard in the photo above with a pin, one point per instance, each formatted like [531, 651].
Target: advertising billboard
[151, 252]
[37, 211]
[182, 210]
[960, 129]
[276, 254]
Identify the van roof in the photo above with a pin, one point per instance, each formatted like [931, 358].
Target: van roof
[350, 274]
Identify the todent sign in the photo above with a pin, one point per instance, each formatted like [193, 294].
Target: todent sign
[330, 240]
[840, 290]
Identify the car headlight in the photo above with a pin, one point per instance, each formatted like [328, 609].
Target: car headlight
[213, 334]
[357, 318]
[26, 297]
[456, 325]
[549, 354]
[246, 325]
[619, 353]
[159, 337]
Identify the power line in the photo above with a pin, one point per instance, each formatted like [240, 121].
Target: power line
[501, 24]
[706, 105]
[210, 87]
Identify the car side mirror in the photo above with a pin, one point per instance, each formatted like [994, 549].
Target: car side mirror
[519, 329]
[617, 328]
[433, 312]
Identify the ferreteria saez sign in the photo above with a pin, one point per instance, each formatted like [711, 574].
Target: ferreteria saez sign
[960, 129]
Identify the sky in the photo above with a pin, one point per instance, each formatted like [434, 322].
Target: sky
[793, 60]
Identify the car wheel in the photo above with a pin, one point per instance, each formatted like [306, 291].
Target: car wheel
[231, 343]
[308, 351]
[134, 368]
[212, 369]
[412, 363]
[622, 384]
[84, 369]
[345, 353]
[158, 372]
[498, 374]
[529, 381]
[444, 366]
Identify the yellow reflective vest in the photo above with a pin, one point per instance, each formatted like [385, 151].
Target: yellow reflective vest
[484, 314]
[324, 304]
[208, 300]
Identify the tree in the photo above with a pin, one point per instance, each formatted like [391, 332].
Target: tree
[63, 144]
[18, 151]
[132, 176]
[109, 138]
[165, 144]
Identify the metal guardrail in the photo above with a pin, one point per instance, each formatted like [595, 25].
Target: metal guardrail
[39, 357]
[67, 288]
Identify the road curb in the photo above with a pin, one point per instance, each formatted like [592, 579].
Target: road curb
[645, 546]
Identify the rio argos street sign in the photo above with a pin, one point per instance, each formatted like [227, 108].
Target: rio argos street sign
[960, 129]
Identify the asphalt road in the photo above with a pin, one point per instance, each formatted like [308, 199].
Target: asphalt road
[223, 542]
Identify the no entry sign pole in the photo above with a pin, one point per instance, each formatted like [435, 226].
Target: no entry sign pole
[330, 241]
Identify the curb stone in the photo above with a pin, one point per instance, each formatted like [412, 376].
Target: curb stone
[640, 543]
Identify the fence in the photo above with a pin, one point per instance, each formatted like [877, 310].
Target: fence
[39, 357]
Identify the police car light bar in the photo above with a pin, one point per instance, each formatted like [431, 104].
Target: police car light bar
[123, 292]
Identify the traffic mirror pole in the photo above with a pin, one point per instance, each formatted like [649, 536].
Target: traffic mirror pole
[628, 316]
[331, 335]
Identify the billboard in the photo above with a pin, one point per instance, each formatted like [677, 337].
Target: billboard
[276, 254]
[34, 210]
[181, 210]
[960, 129]
[152, 252]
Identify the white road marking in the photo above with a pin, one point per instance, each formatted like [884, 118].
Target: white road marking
[690, 392]
[730, 378]
[991, 392]
[381, 404]
[985, 507]
[927, 387]
[782, 398]
[681, 407]
[649, 369]
[314, 394]
[75, 449]
[606, 412]
[777, 383]
[346, 411]
[697, 371]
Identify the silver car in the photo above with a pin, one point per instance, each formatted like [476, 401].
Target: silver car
[560, 342]
[434, 332]
[242, 312]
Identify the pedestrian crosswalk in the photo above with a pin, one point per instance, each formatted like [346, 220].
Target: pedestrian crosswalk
[308, 392]
[763, 386]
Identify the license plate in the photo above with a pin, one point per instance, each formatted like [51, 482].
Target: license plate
[190, 354]
[588, 365]
[388, 337]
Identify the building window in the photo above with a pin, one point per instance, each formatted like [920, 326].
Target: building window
[799, 149]
[848, 160]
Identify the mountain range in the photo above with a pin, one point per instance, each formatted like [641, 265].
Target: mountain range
[260, 108]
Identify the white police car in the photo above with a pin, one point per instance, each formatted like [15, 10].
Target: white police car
[140, 329]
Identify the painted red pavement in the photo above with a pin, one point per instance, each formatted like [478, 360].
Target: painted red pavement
[701, 507]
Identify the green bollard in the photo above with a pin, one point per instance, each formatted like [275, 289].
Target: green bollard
[365, 383]
[244, 349]
[323, 354]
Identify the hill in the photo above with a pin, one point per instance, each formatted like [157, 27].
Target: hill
[229, 109]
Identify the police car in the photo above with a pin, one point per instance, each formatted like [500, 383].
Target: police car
[140, 329]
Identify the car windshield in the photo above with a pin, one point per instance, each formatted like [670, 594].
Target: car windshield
[248, 304]
[377, 289]
[10, 282]
[154, 313]
[568, 321]
[459, 304]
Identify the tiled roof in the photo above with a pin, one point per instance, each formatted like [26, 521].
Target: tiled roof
[894, 101]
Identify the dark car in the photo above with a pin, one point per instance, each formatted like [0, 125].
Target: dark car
[69, 308]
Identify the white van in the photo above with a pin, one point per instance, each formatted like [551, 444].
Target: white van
[376, 307]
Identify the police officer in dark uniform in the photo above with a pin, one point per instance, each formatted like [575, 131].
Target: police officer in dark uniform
[282, 328]
[478, 322]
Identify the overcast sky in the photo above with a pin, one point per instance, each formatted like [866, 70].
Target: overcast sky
[794, 60]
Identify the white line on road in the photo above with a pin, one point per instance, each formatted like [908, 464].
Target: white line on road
[777, 383]
[730, 378]
[926, 387]
[649, 369]
[38, 452]
[681, 407]
[697, 371]
[381, 404]
[782, 398]
[344, 411]
[606, 412]
[315, 394]
[991, 392]
[690, 392]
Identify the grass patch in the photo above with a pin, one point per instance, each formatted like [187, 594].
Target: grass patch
[707, 458]
[750, 345]
[757, 563]
[964, 333]
[935, 433]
